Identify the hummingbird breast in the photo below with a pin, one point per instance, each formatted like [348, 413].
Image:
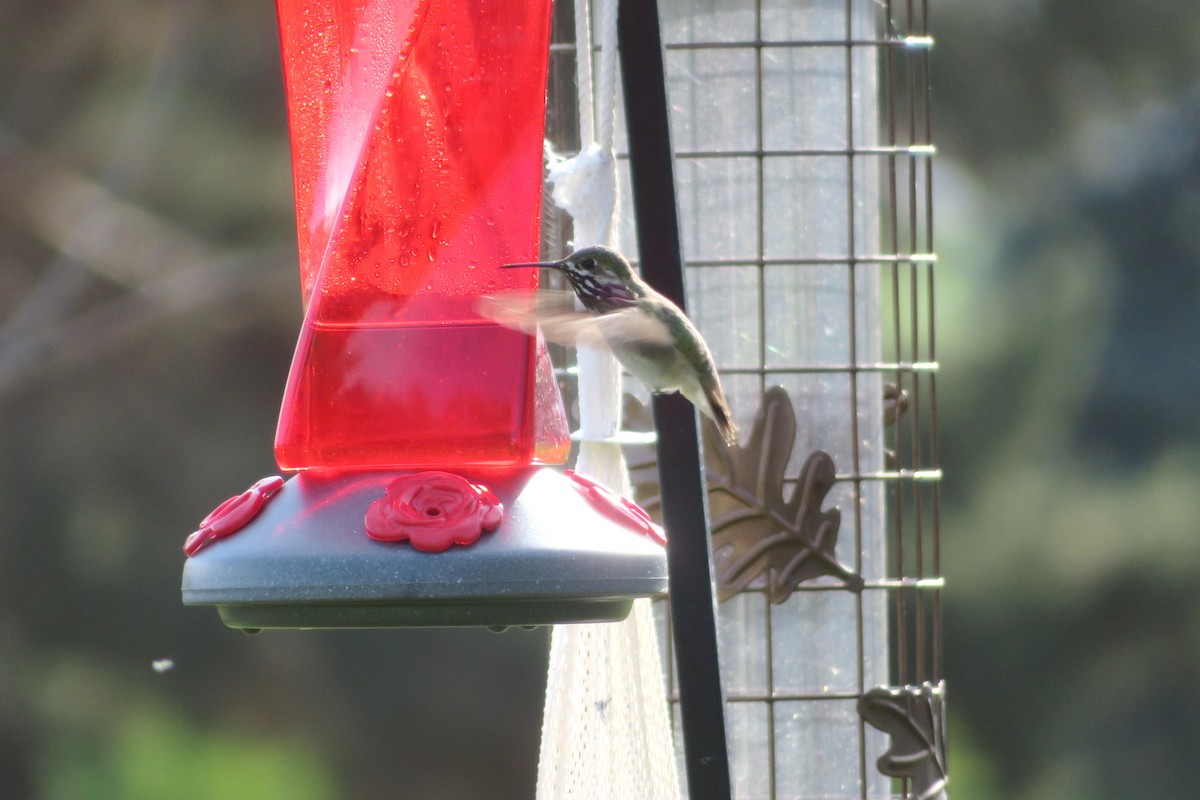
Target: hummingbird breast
[662, 368]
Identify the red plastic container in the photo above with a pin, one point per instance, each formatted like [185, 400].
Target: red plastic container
[416, 132]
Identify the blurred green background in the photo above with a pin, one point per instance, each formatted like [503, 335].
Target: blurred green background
[148, 308]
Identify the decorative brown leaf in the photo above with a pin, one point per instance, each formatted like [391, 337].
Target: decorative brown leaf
[895, 403]
[915, 719]
[755, 531]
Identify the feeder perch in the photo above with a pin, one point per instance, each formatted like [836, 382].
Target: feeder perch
[422, 435]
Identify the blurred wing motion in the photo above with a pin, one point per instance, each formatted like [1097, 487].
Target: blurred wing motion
[555, 314]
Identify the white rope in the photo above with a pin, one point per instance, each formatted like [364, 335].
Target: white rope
[583, 69]
[608, 74]
[606, 728]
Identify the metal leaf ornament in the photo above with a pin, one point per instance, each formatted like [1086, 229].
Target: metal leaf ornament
[915, 719]
[755, 531]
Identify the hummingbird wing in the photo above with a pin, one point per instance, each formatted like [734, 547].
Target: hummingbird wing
[522, 310]
[560, 321]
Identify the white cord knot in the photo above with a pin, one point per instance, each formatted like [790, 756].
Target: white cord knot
[586, 187]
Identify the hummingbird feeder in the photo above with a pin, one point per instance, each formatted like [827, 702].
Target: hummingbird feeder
[423, 436]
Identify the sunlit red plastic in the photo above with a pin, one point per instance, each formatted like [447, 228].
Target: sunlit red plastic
[233, 515]
[617, 508]
[416, 132]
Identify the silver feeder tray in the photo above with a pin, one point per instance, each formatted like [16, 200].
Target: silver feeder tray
[306, 561]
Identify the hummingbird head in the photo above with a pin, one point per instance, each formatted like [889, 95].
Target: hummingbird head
[601, 277]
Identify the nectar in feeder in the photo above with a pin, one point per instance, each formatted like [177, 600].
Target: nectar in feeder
[416, 131]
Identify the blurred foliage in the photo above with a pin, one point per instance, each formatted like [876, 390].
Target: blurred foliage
[1019, 77]
[153, 754]
[1070, 142]
[148, 307]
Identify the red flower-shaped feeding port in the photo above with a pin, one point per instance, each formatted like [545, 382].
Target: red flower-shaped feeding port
[433, 510]
[232, 515]
[617, 508]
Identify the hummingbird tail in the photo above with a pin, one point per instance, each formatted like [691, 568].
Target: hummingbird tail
[706, 394]
[725, 425]
[721, 414]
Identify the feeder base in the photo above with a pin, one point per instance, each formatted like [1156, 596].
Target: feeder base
[306, 561]
[524, 614]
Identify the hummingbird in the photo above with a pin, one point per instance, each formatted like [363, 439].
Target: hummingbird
[651, 337]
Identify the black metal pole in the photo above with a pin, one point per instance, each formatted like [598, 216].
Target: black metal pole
[681, 475]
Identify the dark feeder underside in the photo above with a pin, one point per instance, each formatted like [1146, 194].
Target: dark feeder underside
[306, 561]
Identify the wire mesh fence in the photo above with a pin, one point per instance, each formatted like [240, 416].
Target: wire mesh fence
[803, 147]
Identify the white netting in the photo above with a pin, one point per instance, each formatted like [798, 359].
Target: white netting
[605, 732]
[606, 729]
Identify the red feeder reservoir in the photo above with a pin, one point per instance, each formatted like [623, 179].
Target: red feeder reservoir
[417, 146]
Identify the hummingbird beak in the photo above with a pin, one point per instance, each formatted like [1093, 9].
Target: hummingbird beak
[546, 264]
